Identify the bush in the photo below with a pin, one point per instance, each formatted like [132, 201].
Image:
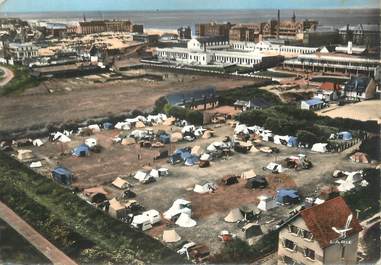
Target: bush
[306, 137]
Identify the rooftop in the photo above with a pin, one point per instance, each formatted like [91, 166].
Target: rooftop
[321, 218]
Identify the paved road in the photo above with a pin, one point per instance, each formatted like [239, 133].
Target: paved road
[55, 255]
[8, 76]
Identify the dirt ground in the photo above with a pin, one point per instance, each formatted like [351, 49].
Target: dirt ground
[73, 99]
[208, 209]
[363, 111]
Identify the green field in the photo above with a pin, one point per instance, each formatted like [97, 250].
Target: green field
[84, 233]
[21, 81]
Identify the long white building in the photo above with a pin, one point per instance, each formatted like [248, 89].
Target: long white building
[265, 46]
[198, 53]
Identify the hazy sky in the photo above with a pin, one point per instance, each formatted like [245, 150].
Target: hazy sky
[104, 5]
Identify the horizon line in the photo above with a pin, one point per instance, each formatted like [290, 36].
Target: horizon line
[193, 10]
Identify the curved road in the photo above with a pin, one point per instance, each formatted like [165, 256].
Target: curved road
[56, 256]
[7, 77]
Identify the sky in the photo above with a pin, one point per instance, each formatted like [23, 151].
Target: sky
[121, 5]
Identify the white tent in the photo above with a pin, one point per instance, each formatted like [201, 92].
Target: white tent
[188, 128]
[241, 128]
[345, 186]
[179, 206]
[61, 137]
[36, 164]
[163, 171]
[122, 126]
[275, 167]
[170, 236]
[37, 142]
[140, 175]
[94, 127]
[207, 187]
[185, 221]
[154, 173]
[266, 203]
[319, 147]
[234, 216]
[205, 157]
[91, 142]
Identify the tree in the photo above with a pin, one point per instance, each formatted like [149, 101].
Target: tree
[306, 137]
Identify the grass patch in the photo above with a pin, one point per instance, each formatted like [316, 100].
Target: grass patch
[22, 80]
[81, 231]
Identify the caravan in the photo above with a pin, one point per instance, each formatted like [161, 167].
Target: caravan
[146, 220]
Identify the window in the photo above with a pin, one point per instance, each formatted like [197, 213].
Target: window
[307, 235]
[293, 230]
[290, 245]
[309, 253]
[289, 261]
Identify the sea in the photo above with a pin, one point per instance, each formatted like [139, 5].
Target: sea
[171, 20]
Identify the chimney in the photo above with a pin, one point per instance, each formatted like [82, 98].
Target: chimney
[278, 25]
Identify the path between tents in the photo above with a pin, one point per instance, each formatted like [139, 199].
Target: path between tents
[7, 77]
[55, 255]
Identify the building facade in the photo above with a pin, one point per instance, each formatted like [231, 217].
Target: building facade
[199, 53]
[20, 52]
[91, 27]
[309, 238]
[244, 33]
[185, 33]
[213, 30]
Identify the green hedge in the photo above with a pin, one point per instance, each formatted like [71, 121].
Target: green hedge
[81, 231]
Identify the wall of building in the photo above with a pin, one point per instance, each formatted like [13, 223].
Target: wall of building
[332, 254]
[301, 243]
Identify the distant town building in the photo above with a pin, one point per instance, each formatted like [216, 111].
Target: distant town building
[98, 26]
[362, 34]
[269, 48]
[205, 51]
[137, 28]
[312, 237]
[213, 30]
[312, 104]
[20, 52]
[244, 33]
[321, 36]
[333, 63]
[360, 88]
[184, 33]
[146, 38]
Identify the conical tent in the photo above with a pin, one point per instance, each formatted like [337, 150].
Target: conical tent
[170, 236]
[234, 216]
[185, 221]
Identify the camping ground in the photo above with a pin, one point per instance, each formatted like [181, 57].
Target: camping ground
[209, 210]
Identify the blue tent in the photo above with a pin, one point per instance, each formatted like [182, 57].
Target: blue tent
[346, 136]
[62, 175]
[191, 160]
[81, 150]
[292, 141]
[287, 196]
[108, 125]
[164, 138]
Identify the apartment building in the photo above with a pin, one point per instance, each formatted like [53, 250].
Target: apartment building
[322, 234]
